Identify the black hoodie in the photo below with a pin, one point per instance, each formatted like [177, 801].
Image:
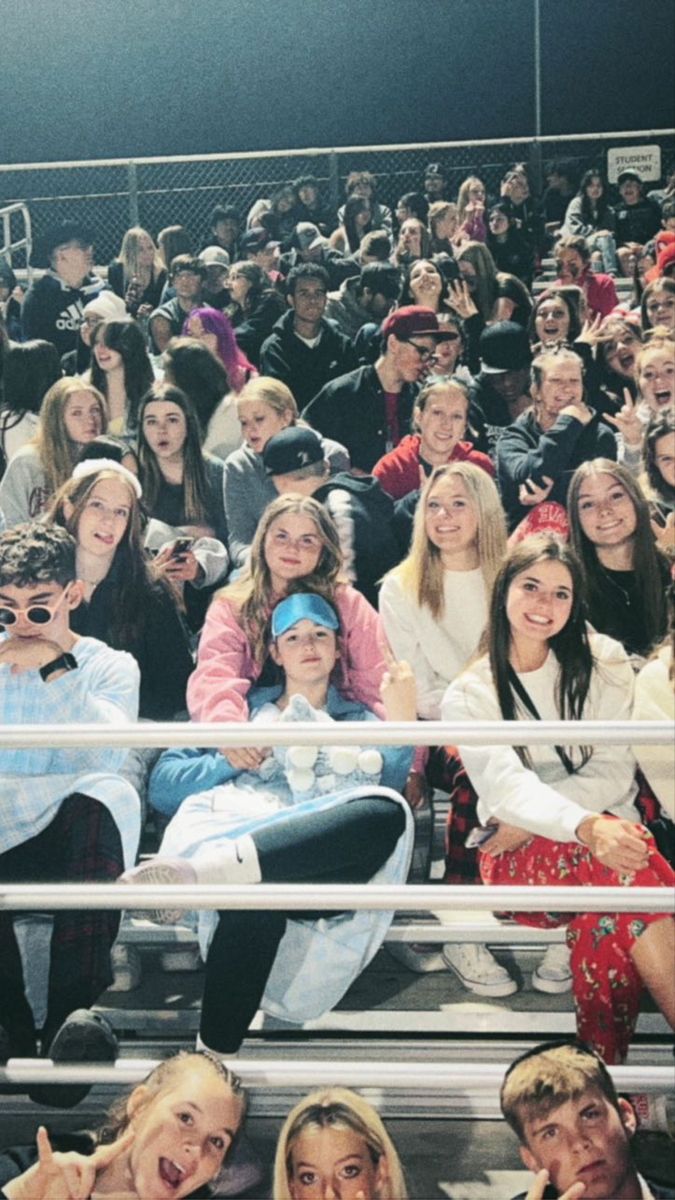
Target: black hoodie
[363, 514]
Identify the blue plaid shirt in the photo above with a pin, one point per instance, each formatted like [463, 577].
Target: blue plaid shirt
[34, 782]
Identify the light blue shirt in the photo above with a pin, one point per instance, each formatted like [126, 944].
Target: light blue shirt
[34, 782]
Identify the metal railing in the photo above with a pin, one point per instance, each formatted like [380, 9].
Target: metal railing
[110, 195]
[343, 733]
[13, 245]
[471, 1077]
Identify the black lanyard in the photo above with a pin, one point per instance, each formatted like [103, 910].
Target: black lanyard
[529, 704]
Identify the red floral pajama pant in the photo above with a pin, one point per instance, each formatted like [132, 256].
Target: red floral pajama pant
[607, 986]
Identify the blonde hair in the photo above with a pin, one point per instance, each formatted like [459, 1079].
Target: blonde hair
[164, 1076]
[53, 444]
[658, 338]
[338, 1108]
[129, 252]
[421, 572]
[272, 392]
[546, 1078]
[252, 593]
[463, 195]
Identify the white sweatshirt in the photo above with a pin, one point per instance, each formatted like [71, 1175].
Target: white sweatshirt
[437, 650]
[545, 800]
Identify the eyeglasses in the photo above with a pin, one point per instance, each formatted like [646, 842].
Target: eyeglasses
[425, 354]
[37, 614]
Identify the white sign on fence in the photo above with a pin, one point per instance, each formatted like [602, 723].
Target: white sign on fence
[646, 160]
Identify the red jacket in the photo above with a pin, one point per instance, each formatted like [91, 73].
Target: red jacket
[599, 291]
[399, 470]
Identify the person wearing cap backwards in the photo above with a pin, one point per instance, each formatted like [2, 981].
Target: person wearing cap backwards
[186, 275]
[363, 513]
[66, 815]
[501, 390]
[638, 218]
[258, 247]
[304, 816]
[371, 407]
[434, 183]
[214, 289]
[53, 306]
[309, 245]
[304, 350]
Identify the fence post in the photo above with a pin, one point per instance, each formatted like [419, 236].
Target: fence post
[535, 167]
[132, 185]
[333, 179]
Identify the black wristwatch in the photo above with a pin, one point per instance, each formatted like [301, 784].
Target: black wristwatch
[65, 662]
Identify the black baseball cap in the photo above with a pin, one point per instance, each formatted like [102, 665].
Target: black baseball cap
[291, 450]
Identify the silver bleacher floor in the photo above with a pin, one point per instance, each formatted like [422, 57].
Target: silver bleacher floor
[453, 1147]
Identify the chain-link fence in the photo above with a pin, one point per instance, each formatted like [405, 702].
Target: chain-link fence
[110, 196]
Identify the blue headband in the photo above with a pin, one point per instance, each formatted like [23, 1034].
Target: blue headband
[303, 606]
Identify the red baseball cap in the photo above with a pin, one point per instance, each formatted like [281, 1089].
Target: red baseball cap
[413, 320]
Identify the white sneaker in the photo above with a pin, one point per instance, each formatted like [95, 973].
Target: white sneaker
[158, 870]
[421, 958]
[478, 970]
[553, 975]
[126, 968]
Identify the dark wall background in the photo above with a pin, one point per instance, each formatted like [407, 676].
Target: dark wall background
[97, 79]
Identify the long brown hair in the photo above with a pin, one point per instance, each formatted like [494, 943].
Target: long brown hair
[487, 284]
[252, 593]
[134, 579]
[647, 558]
[195, 488]
[570, 646]
[57, 453]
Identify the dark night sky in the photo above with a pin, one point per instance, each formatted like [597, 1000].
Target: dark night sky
[93, 79]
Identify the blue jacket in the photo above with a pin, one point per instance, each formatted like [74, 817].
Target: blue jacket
[182, 773]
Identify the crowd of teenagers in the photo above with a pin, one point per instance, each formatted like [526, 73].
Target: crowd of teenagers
[335, 467]
[180, 1134]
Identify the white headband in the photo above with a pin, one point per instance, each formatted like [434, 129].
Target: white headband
[92, 466]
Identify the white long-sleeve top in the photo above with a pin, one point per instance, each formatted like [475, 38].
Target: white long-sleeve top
[655, 701]
[545, 800]
[437, 650]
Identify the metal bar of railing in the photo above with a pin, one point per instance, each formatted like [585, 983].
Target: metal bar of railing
[309, 151]
[343, 733]
[279, 1072]
[298, 897]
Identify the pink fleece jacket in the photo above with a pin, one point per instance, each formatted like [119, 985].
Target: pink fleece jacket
[225, 670]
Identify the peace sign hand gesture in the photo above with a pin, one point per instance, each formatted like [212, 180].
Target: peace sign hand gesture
[70, 1176]
[627, 421]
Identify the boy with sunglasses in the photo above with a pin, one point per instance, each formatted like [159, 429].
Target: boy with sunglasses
[574, 1130]
[66, 815]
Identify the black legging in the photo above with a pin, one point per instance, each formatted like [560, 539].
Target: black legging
[347, 844]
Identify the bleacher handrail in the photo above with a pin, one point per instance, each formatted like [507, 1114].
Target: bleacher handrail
[309, 151]
[342, 733]
[304, 897]
[449, 1077]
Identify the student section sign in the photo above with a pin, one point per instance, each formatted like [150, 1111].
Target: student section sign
[646, 160]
